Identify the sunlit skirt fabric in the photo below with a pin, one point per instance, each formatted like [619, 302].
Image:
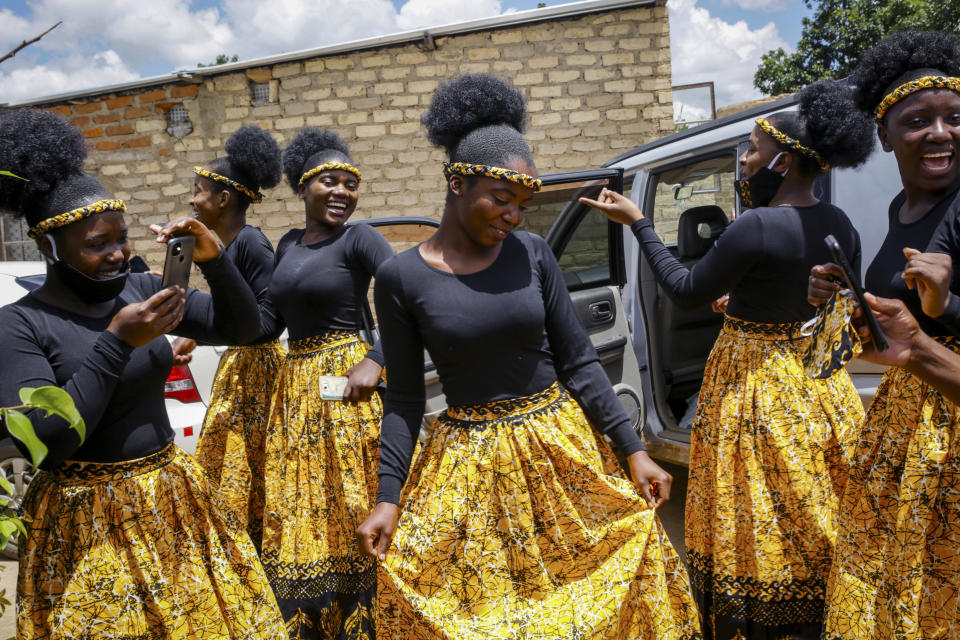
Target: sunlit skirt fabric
[518, 523]
[232, 441]
[321, 483]
[138, 550]
[768, 465]
[896, 573]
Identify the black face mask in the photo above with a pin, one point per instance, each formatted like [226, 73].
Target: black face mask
[760, 188]
[90, 290]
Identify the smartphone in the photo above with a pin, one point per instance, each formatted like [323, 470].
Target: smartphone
[176, 268]
[879, 340]
[332, 387]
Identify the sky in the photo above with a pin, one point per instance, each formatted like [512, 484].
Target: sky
[103, 42]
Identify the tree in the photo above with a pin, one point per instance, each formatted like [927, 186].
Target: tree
[221, 59]
[840, 31]
[27, 43]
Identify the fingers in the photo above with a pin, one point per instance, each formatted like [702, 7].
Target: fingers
[367, 538]
[644, 488]
[663, 488]
[596, 204]
[383, 544]
[909, 252]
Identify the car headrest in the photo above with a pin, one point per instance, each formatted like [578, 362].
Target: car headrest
[691, 242]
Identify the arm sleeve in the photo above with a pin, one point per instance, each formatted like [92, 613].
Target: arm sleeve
[576, 360]
[91, 387]
[227, 315]
[946, 239]
[717, 273]
[404, 403]
[256, 261]
[372, 251]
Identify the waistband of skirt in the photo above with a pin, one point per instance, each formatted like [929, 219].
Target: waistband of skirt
[762, 330]
[264, 346]
[76, 472]
[326, 340]
[479, 414]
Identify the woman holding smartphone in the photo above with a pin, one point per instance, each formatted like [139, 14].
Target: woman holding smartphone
[768, 447]
[896, 570]
[124, 538]
[231, 443]
[321, 454]
[516, 520]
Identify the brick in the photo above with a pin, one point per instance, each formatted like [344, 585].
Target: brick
[352, 117]
[314, 66]
[507, 65]
[404, 101]
[80, 121]
[431, 70]
[547, 91]
[506, 37]
[395, 73]
[581, 60]
[543, 62]
[422, 86]
[591, 75]
[579, 33]
[634, 71]
[296, 82]
[564, 104]
[350, 91]
[185, 91]
[236, 113]
[387, 115]
[175, 190]
[366, 103]
[475, 67]
[634, 44]
[142, 141]
[639, 98]
[564, 132]
[62, 109]
[316, 94]
[540, 33]
[552, 149]
[604, 100]
[545, 119]
[95, 132]
[620, 86]
[581, 117]
[89, 107]
[535, 106]
[403, 199]
[484, 53]
[522, 79]
[411, 58]
[153, 96]
[113, 170]
[298, 108]
[108, 145]
[396, 173]
[136, 112]
[325, 120]
[365, 75]
[147, 194]
[119, 130]
[116, 103]
[404, 128]
[289, 123]
[613, 59]
[563, 75]
[288, 69]
[620, 29]
[386, 187]
[149, 126]
[621, 114]
[260, 75]
[381, 60]
[371, 130]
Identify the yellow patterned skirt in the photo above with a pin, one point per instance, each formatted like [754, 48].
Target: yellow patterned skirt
[518, 523]
[138, 550]
[896, 572]
[768, 465]
[231, 443]
[321, 483]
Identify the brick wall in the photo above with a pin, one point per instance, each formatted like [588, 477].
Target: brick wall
[596, 85]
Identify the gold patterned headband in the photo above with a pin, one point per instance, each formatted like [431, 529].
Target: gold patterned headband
[63, 219]
[255, 196]
[904, 90]
[793, 143]
[498, 173]
[331, 166]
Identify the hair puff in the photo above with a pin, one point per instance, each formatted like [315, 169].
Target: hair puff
[41, 147]
[254, 153]
[839, 132]
[309, 142]
[470, 102]
[896, 56]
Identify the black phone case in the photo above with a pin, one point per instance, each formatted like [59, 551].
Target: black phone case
[879, 340]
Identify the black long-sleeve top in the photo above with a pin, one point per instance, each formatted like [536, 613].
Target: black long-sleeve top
[936, 232]
[507, 331]
[762, 259]
[253, 255]
[322, 286]
[117, 389]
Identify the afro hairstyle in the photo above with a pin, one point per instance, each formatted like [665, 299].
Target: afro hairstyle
[478, 118]
[901, 57]
[253, 160]
[312, 146]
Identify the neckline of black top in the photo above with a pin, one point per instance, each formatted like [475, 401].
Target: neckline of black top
[901, 197]
[450, 274]
[320, 243]
[117, 304]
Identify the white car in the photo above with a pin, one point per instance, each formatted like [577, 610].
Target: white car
[187, 388]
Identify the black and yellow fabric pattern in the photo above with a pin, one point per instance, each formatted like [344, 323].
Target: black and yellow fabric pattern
[331, 166]
[792, 143]
[255, 196]
[487, 171]
[768, 465]
[896, 572]
[68, 217]
[233, 438]
[138, 549]
[911, 87]
[517, 522]
[321, 484]
[833, 339]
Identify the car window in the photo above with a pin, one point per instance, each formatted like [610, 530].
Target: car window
[701, 182]
[16, 244]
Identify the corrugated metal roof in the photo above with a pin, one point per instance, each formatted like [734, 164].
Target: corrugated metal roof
[507, 20]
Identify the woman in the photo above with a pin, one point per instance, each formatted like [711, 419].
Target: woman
[124, 538]
[767, 465]
[231, 443]
[320, 454]
[516, 519]
[896, 572]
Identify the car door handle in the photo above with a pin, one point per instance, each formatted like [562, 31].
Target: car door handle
[600, 311]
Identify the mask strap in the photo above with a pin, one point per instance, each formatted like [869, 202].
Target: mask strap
[774, 161]
[53, 248]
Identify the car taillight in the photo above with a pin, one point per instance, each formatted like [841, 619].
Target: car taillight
[180, 385]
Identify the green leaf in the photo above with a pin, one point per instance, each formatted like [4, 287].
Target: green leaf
[5, 485]
[12, 175]
[21, 428]
[55, 400]
[7, 529]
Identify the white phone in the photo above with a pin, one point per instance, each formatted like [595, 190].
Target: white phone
[332, 387]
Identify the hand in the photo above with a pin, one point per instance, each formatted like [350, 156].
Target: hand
[140, 322]
[900, 328]
[183, 351]
[207, 246]
[615, 206]
[376, 532]
[720, 304]
[930, 274]
[821, 286]
[362, 379]
[652, 481]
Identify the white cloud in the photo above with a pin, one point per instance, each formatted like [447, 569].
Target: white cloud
[426, 13]
[705, 48]
[64, 75]
[758, 5]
